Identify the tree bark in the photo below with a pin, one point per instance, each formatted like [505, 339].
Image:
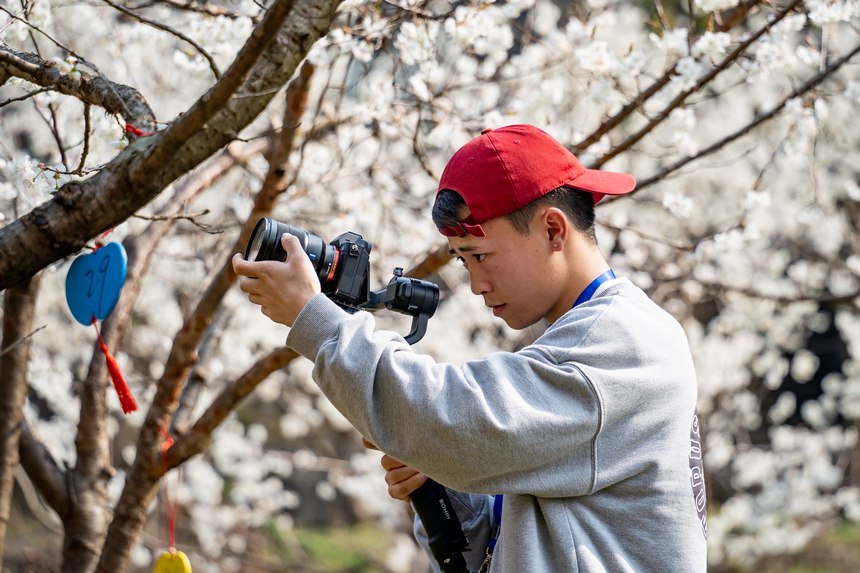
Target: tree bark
[20, 307]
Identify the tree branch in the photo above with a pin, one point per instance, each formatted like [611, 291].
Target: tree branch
[810, 84]
[274, 184]
[113, 97]
[198, 437]
[703, 81]
[217, 97]
[43, 471]
[737, 17]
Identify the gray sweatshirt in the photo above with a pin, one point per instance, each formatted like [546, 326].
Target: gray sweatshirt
[588, 432]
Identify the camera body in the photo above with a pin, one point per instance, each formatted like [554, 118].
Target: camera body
[343, 268]
[350, 285]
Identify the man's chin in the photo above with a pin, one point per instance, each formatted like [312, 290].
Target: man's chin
[518, 323]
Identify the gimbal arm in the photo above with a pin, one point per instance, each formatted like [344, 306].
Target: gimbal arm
[407, 295]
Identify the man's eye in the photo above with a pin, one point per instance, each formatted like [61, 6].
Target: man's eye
[480, 257]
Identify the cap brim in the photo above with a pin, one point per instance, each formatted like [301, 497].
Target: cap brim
[602, 183]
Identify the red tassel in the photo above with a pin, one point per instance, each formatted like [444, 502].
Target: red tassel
[126, 400]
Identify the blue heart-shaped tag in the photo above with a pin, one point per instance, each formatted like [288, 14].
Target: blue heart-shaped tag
[95, 281]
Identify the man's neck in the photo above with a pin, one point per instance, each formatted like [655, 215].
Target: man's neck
[583, 265]
[585, 270]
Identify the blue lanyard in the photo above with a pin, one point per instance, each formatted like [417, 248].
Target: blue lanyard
[497, 517]
[497, 502]
[592, 288]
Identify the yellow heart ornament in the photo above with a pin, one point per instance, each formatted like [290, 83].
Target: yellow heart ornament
[173, 562]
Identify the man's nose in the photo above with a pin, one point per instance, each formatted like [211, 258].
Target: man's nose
[479, 283]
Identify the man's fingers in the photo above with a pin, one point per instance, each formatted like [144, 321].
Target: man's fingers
[248, 285]
[402, 490]
[241, 266]
[390, 463]
[399, 475]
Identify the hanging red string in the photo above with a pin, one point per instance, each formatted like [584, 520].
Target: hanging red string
[123, 392]
[129, 128]
[170, 503]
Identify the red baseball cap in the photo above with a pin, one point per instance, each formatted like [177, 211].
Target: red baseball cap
[505, 169]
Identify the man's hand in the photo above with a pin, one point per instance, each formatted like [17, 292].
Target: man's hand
[282, 289]
[401, 479]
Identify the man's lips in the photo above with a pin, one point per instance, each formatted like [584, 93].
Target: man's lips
[498, 309]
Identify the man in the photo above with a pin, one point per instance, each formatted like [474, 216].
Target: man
[589, 432]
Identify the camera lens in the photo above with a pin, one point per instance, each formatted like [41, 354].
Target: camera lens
[265, 245]
[252, 253]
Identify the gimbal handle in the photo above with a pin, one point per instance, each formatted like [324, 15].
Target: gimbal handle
[444, 532]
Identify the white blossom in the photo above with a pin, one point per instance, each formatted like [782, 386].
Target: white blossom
[672, 41]
[415, 41]
[68, 66]
[823, 12]
[596, 58]
[712, 45]
[678, 204]
[784, 408]
[715, 5]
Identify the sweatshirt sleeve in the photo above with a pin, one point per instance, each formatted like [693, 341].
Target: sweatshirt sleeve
[453, 423]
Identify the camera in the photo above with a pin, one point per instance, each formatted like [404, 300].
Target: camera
[343, 269]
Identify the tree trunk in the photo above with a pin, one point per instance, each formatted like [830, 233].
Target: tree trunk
[20, 306]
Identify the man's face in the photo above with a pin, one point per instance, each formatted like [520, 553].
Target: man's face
[510, 271]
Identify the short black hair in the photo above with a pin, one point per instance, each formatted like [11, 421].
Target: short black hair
[578, 205]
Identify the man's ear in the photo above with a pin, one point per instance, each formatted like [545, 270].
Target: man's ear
[556, 227]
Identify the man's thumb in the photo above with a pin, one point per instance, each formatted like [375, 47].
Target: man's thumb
[291, 244]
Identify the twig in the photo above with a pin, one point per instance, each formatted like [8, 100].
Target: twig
[37, 29]
[55, 130]
[23, 97]
[21, 340]
[199, 8]
[86, 150]
[158, 25]
[686, 246]
[180, 217]
[750, 292]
